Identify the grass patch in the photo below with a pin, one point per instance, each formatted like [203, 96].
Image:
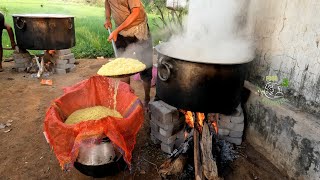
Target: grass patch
[91, 36]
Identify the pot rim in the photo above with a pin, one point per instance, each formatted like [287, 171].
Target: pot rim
[158, 49]
[43, 15]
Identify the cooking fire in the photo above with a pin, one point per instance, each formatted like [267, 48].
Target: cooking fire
[198, 135]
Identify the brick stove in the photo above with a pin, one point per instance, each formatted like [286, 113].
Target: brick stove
[230, 128]
[168, 126]
[64, 61]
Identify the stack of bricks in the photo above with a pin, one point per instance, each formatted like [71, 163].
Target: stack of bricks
[22, 61]
[166, 126]
[230, 128]
[64, 61]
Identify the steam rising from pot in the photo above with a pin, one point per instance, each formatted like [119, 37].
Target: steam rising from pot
[216, 31]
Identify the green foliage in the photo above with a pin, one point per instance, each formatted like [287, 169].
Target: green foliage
[285, 82]
[4, 10]
[170, 20]
[91, 36]
[98, 3]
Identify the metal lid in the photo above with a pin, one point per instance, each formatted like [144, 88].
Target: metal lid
[43, 15]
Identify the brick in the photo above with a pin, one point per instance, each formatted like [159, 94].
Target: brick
[237, 119]
[63, 51]
[164, 132]
[60, 71]
[238, 127]
[154, 139]
[174, 111]
[236, 141]
[177, 125]
[65, 66]
[236, 134]
[67, 56]
[238, 111]
[166, 140]
[61, 66]
[223, 132]
[72, 61]
[180, 138]
[154, 126]
[225, 118]
[225, 125]
[59, 61]
[168, 132]
[22, 65]
[167, 148]
[21, 60]
[72, 68]
[161, 113]
[231, 126]
[21, 69]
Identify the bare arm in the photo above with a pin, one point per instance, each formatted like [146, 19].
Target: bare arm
[11, 35]
[107, 8]
[130, 19]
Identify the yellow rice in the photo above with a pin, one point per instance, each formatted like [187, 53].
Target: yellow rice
[121, 66]
[91, 113]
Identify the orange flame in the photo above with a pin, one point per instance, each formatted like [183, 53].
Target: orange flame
[201, 118]
[215, 126]
[189, 118]
[214, 121]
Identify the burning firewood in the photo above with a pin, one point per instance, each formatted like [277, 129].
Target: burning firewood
[209, 166]
[197, 160]
[207, 149]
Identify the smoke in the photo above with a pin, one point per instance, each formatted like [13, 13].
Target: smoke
[141, 50]
[215, 31]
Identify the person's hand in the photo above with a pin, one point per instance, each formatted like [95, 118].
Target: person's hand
[113, 36]
[108, 24]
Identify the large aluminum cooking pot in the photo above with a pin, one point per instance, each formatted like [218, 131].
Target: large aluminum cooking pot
[44, 31]
[99, 159]
[199, 87]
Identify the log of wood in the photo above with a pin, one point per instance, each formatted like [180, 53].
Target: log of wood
[173, 166]
[197, 161]
[209, 166]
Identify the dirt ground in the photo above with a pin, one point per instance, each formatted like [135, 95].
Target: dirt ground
[25, 154]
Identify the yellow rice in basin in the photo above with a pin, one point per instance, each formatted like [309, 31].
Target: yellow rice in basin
[121, 66]
[91, 113]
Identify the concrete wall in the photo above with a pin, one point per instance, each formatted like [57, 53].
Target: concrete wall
[289, 138]
[287, 35]
[287, 39]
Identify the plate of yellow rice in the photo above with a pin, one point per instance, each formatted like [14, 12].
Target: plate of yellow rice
[121, 66]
